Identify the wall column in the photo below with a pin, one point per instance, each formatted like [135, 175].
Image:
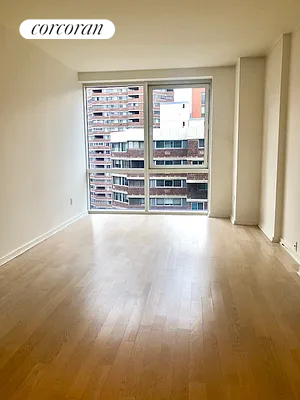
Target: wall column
[249, 106]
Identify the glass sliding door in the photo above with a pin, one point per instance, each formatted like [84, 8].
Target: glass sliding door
[147, 147]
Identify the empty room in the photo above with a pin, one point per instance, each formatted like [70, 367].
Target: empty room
[150, 200]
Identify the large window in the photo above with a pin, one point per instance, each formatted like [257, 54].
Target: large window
[182, 126]
[148, 152]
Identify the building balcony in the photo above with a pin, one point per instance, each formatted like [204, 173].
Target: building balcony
[100, 199]
[99, 160]
[139, 107]
[115, 91]
[99, 147]
[99, 136]
[119, 204]
[99, 184]
[97, 124]
[102, 102]
[94, 153]
[100, 191]
[100, 205]
[100, 166]
[120, 188]
[135, 89]
[98, 108]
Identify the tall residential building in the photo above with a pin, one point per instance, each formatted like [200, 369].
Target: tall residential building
[198, 103]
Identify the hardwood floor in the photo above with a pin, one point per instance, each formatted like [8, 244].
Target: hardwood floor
[151, 307]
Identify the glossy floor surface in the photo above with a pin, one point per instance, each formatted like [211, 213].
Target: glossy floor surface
[151, 307]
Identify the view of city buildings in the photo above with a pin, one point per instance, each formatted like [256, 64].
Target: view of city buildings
[116, 142]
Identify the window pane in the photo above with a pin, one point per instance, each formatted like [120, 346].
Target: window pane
[178, 191]
[117, 191]
[115, 119]
[178, 135]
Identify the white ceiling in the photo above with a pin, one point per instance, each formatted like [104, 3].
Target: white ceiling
[162, 34]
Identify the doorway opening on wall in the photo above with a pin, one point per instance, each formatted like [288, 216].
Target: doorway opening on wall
[147, 147]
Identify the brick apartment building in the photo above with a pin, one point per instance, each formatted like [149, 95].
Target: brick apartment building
[116, 141]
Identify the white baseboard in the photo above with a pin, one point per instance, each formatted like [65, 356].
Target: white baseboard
[34, 242]
[290, 249]
[273, 239]
[241, 222]
[225, 216]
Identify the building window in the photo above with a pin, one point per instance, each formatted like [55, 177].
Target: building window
[136, 182]
[120, 197]
[171, 144]
[107, 166]
[105, 137]
[120, 180]
[170, 162]
[121, 146]
[203, 98]
[137, 164]
[201, 143]
[196, 162]
[118, 164]
[167, 201]
[136, 201]
[167, 183]
[199, 206]
[128, 163]
[135, 145]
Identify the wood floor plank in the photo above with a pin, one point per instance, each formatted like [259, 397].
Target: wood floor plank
[136, 307]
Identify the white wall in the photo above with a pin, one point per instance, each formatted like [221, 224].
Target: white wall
[223, 89]
[291, 209]
[250, 77]
[41, 143]
[222, 142]
[276, 90]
